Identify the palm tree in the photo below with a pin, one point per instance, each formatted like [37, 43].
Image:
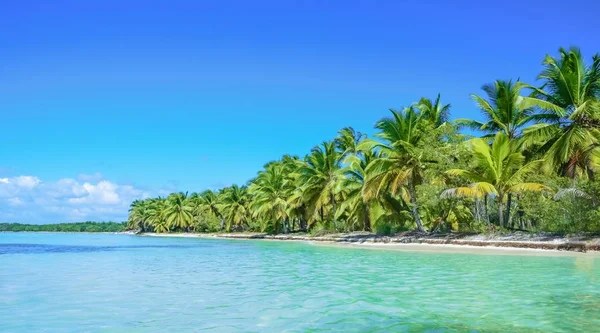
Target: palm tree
[570, 133]
[208, 203]
[179, 210]
[296, 206]
[139, 215]
[401, 164]
[161, 226]
[270, 190]
[157, 214]
[318, 178]
[235, 201]
[500, 169]
[348, 140]
[434, 111]
[506, 109]
[357, 206]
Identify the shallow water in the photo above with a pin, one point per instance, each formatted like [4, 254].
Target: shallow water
[121, 283]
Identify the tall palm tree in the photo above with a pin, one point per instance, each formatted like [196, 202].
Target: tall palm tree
[318, 178]
[270, 191]
[297, 205]
[179, 211]
[357, 206]
[571, 133]
[434, 111]
[499, 169]
[401, 165]
[506, 109]
[235, 201]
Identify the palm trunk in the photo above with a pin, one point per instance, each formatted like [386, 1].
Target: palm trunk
[485, 210]
[501, 210]
[367, 225]
[334, 211]
[413, 202]
[285, 226]
[590, 174]
[522, 222]
[508, 206]
[221, 223]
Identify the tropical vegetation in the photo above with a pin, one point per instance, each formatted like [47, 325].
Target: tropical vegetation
[530, 163]
[66, 227]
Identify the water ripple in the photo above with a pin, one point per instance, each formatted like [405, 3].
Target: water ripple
[114, 283]
[53, 248]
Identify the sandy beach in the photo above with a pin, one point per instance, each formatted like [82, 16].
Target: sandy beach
[509, 244]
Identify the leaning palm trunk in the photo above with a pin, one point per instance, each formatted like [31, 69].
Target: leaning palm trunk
[413, 202]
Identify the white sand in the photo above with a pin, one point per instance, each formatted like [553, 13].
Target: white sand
[411, 247]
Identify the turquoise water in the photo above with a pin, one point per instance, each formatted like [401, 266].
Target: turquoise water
[121, 283]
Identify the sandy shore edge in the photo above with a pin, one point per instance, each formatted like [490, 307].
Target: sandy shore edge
[483, 244]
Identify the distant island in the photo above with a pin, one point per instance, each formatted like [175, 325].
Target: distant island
[65, 227]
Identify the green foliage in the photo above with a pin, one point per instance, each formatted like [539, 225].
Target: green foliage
[569, 133]
[318, 178]
[419, 172]
[66, 227]
[574, 208]
[206, 223]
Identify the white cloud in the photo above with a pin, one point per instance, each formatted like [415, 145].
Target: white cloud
[102, 193]
[26, 181]
[22, 181]
[27, 199]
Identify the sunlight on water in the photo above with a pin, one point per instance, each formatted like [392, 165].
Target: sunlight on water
[120, 283]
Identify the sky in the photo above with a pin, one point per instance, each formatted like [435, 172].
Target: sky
[104, 102]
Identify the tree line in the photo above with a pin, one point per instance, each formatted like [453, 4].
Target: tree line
[533, 167]
[66, 227]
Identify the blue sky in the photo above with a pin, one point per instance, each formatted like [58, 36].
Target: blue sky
[105, 102]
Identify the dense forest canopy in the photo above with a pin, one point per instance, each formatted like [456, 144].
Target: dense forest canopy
[66, 227]
[533, 167]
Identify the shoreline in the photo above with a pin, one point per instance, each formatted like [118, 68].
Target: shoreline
[512, 243]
